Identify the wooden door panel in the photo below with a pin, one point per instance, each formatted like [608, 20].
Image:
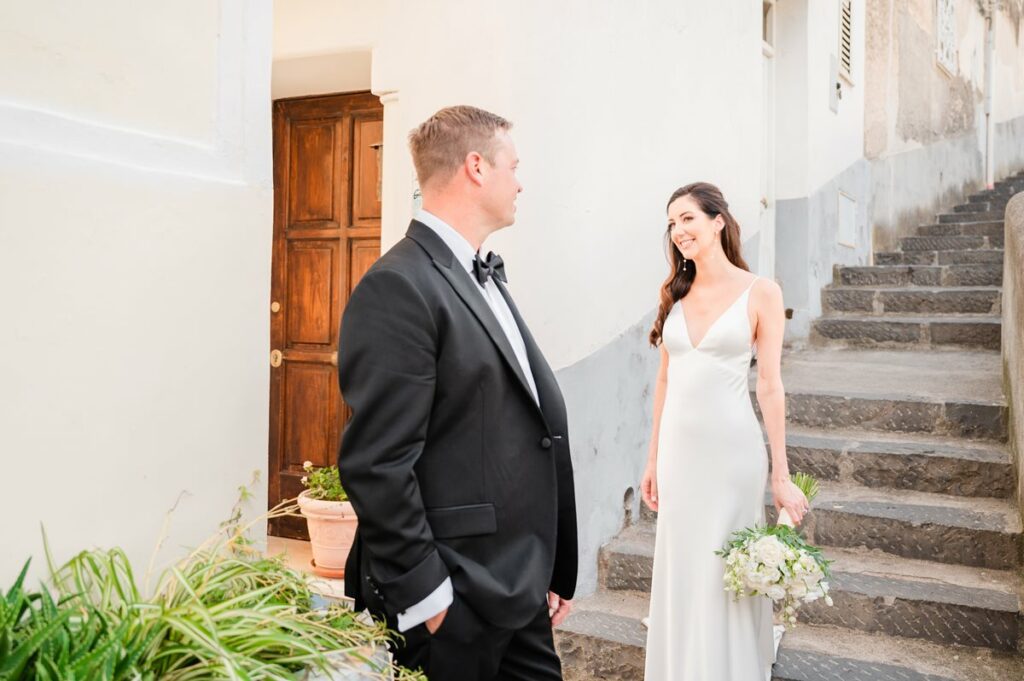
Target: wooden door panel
[313, 184]
[312, 271]
[308, 439]
[362, 254]
[326, 235]
[367, 137]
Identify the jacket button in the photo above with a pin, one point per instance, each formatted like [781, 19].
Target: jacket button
[545, 442]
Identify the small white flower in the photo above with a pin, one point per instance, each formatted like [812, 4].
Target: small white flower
[828, 601]
[304, 480]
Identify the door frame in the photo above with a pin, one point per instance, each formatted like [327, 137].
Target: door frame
[360, 101]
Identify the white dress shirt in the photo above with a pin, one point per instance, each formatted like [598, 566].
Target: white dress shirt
[443, 595]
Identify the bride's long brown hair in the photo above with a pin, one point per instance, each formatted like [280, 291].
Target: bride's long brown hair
[710, 200]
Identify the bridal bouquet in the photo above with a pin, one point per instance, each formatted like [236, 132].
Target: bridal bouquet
[777, 562]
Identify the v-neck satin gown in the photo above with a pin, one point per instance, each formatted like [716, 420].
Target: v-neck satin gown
[712, 470]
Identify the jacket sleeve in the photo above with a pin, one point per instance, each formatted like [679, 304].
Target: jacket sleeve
[386, 370]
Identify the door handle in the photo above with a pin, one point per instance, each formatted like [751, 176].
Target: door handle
[276, 358]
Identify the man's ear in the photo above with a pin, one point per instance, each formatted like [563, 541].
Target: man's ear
[474, 167]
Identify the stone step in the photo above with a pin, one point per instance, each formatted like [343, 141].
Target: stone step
[941, 603]
[913, 462]
[974, 274]
[981, 206]
[946, 243]
[873, 591]
[947, 532]
[949, 392]
[964, 331]
[603, 638]
[992, 229]
[962, 217]
[824, 653]
[940, 257]
[976, 532]
[932, 300]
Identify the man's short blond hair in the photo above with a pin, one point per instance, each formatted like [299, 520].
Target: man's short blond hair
[440, 144]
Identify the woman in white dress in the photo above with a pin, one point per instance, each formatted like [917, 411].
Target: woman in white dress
[707, 469]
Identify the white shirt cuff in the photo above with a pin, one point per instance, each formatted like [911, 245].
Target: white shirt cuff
[439, 599]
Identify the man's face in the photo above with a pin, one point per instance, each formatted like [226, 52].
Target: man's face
[500, 187]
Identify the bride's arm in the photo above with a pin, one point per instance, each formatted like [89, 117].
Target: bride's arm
[649, 485]
[771, 395]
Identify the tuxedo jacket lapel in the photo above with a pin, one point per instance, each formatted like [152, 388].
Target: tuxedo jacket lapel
[543, 376]
[469, 292]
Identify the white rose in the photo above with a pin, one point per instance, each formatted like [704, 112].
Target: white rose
[775, 592]
[770, 551]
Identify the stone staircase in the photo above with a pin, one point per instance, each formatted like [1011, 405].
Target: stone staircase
[898, 408]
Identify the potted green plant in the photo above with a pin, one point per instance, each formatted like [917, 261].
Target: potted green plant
[330, 518]
[224, 611]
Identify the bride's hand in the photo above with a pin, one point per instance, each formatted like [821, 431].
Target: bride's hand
[788, 496]
[649, 486]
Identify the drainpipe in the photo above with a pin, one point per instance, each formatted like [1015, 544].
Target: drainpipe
[990, 41]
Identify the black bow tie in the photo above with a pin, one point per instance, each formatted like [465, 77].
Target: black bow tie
[493, 266]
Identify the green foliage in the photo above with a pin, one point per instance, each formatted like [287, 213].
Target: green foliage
[323, 483]
[223, 612]
[807, 484]
[788, 536]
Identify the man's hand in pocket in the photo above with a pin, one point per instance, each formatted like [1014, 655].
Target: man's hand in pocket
[434, 623]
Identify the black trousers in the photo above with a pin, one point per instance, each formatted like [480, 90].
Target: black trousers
[466, 648]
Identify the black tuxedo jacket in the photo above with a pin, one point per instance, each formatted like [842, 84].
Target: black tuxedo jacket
[451, 466]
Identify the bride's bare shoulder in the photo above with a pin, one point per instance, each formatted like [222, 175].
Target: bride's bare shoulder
[766, 293]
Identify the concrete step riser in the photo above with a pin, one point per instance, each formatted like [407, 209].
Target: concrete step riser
[981, 274]
[910, 301]
[974, 207]
[991, 195]
[586, 658]
[927, 620]
[951, 475]
[935, 542]
[881, 332]
[959, 419]
[989, 229]
[939, 257]
[972, 217]
[949, 243]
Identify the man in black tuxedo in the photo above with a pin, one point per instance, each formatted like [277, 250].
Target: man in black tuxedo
[456, 456]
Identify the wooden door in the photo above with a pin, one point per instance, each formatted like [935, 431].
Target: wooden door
[327, 168]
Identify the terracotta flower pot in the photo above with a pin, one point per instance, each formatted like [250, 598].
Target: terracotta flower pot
[332, 527]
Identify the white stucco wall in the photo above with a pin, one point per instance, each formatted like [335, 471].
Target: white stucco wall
[614, 105]
[816, 143]
[135, 230]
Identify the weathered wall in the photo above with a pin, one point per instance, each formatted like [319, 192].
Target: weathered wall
[1013, 334]
[609, 395]
[925, 125]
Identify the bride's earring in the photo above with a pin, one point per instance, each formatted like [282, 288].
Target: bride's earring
[684, 263]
